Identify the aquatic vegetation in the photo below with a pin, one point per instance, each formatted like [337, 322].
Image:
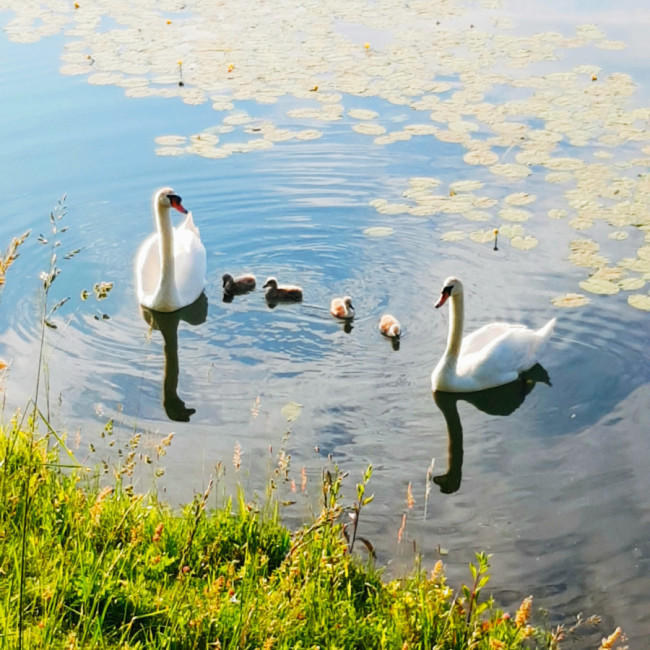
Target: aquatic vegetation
[505, 101]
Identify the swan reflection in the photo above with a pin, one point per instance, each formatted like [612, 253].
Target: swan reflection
[167, 324]
[502, 400]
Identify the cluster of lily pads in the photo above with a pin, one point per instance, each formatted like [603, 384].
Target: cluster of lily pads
[467, 78]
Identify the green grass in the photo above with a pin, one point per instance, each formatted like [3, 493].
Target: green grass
[104, 567]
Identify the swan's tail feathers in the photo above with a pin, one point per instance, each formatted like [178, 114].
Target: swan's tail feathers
[545, 332]
[188, 224]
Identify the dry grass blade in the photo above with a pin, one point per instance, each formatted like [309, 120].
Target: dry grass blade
[11, 254]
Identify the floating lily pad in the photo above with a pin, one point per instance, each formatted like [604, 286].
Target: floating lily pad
[170, 140]
[291, 411]
[482, 236]
[453, 235]
[362, 114]
[639, 301]
[602, 287]
[510, 170]
[611, 273]
[481, 157]
[477, 215]
[524, 243]
[394, 208]
[309, 134]
[379, 231]
[559, 177]
[570, 300]
[631, 284]
[511, 230]
[170, 151]
[466, 186]
[514, 214]
[369, 128]
[520, 198]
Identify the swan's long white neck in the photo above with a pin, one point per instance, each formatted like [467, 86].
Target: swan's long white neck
[166, 292]
[456, 318]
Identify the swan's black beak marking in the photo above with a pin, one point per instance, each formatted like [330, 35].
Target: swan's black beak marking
[446, 292]
[175, 202]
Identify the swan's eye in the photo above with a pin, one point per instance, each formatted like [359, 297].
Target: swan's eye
[174, 199]
[447, 290]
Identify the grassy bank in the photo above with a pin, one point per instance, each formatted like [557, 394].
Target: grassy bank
[84, 564]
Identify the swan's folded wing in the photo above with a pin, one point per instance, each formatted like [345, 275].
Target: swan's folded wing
[485, 336]
[511, 352]
[189, 264]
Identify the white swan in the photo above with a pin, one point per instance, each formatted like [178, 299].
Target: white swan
[171, 263]
[491, 356]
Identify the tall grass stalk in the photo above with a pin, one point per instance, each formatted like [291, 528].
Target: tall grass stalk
[47, 277]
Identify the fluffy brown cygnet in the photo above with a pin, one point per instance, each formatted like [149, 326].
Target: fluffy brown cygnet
[389, 326]
[342, 307]
[238, 284]
[283, 292]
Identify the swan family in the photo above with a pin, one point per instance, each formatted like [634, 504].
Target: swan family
[170, 274]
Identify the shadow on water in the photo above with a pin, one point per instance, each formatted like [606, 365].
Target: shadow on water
[167, 324]
[501, 400]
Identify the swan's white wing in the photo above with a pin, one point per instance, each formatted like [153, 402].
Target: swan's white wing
[189, 261]
[485, 336]
[504, 357]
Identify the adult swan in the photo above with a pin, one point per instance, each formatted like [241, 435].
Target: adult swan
[170, 265]
[491, 356]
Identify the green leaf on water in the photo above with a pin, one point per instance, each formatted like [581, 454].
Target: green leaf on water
[291, 411]
[639, 301]
[379, 231]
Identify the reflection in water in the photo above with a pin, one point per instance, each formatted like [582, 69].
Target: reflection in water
[167, 323]
[502, 400]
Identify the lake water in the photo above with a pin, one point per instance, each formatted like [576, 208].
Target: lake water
[552, 480]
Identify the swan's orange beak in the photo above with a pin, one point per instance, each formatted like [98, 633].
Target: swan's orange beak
[446, 292]
[175, 201]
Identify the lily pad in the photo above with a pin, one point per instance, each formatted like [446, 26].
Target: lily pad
[379, 231]
[291, 411]
[639, 301]
[520, 198]
[631, 284]
[453, 235]
[599, 286]
[524, 243]
[570, 300]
